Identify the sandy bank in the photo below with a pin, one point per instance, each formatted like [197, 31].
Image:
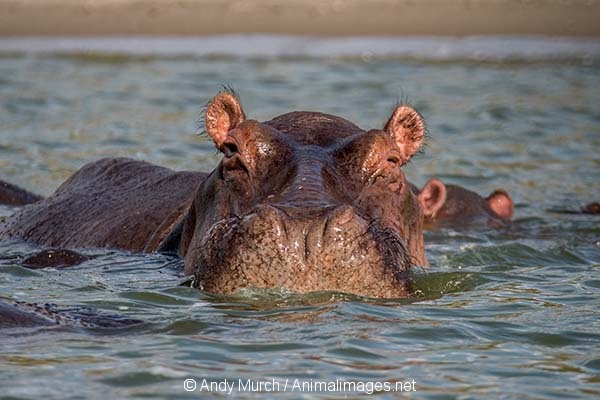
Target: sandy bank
[312, 17]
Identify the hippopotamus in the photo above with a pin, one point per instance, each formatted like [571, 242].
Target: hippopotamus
[306, 201]
[55, 258]
[19, 314]
[453, 206]
[15, 196]
[591, 208]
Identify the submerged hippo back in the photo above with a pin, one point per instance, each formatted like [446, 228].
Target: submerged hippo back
[306, 201]
[114, 202]
[15, 196]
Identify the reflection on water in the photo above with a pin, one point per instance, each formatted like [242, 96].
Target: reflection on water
[510, 313]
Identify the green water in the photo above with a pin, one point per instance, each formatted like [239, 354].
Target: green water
[500, 314]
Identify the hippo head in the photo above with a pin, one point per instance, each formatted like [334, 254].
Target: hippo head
[306, 202]
[453, 206]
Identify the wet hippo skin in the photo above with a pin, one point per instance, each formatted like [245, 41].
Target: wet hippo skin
[306, 201]
[115, 202]
[591, 208]
[55, 258]
[19, 314]
[15, 196]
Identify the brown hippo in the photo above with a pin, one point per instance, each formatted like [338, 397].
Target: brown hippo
[19, 314]
[452, 206]
[14, 196]
[591, 208]
[306, 201]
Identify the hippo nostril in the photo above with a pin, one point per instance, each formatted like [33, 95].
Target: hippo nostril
[265, 221]
[341, 215]
[266, 212]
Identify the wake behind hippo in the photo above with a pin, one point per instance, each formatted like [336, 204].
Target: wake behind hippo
[306, 201]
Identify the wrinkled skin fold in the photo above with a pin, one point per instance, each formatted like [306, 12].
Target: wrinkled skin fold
[306, 201]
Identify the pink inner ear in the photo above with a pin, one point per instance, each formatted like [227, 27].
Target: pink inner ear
[501, 203]
[432, 197]
[223, 113]
[217, 126]
[408, 130]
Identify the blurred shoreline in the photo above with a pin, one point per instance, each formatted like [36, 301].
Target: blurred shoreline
[272, 46]
[332, 18]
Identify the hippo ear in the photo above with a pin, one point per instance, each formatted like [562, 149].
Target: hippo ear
[223, 113]
[501, 203]
[432, 197]
[408, 130]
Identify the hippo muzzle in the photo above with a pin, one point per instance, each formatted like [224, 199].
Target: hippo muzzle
[336, 250]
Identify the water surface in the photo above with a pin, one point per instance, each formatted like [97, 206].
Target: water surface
[500, 314]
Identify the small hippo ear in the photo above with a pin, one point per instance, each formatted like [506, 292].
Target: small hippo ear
[408, 129]
[223, 113]
[501, 203]
[432, 197]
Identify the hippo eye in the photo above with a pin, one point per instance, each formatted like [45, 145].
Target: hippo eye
[393, 159]
[232, 161]
[229, 149]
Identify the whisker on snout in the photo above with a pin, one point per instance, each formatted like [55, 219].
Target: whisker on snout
[393, 249]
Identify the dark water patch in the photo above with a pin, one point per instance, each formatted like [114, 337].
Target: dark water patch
[593, 364]
[516, 253]
[18, 271]
[120, 141]
[437, 284]
[25, 106]
[515, 333]
[592, 283]
[134, 379]
[186, 328]
[56, 145]
[153, 299]
[89, 289]
[498, 112]
[171, 152]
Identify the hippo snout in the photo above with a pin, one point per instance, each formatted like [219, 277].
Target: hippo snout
[332, 237]
[333, 249]
[305, 237]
